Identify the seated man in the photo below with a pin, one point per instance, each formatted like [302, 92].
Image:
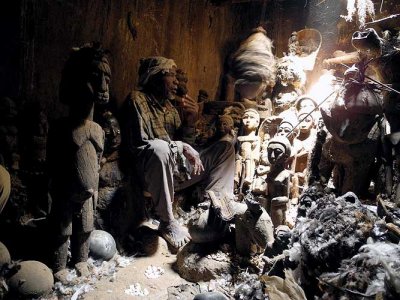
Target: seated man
[152, 132]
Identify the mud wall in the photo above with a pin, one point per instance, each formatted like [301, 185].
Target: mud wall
[197, 34]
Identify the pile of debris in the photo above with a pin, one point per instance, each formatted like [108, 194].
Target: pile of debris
[334, 229]
[373, 273]
[340, 248]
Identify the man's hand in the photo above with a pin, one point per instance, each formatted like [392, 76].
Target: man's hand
[194, 158]
[190, 110]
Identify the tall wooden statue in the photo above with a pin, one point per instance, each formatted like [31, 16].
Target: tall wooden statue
[75, 148]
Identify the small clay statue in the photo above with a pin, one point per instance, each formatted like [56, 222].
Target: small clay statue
[278, 179]
[249, 153]
[75, 147]
[203, 96]
[307, 132]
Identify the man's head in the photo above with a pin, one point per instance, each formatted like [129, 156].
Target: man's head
[86, 77]
[157, 75]
[279, 149]
[251, 119]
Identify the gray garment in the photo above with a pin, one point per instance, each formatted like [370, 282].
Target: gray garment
[156, 161]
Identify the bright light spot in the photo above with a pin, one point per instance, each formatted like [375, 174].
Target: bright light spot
[324, 86]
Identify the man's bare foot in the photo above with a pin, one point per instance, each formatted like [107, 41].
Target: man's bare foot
[64, 277]
[175, 234]
[82, 269]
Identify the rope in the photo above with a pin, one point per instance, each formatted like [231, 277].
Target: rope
[309, 114]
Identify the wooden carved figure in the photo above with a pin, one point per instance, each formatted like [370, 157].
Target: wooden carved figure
[75, 148]
[306, 137]
[110, 176]
[249, 153]
[278, 179]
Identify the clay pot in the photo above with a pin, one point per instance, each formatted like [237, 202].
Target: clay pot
[102, 245]
[33, 280]
[5, 257]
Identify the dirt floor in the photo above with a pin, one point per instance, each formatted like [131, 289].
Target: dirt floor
[106, 289]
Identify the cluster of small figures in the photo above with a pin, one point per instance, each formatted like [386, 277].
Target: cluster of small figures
[272, 157]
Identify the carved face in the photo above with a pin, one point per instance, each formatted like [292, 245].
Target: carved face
[276, 153]
[99, 81]
[306, 104]
[112, 132]
[284, 129]
[251, 120]
[306, 125]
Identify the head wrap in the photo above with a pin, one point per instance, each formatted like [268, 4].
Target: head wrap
[151, 66]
